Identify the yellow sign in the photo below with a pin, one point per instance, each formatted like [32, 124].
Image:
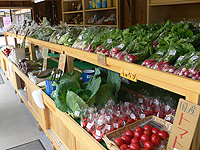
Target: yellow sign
[128, 75]
[184, 126]
[62, 61]
[101, 58]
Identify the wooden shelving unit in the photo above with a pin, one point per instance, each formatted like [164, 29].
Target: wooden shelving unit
[176, 10]
[86, 13]
[184, 86]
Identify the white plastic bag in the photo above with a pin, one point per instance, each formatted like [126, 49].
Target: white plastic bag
[37, 96]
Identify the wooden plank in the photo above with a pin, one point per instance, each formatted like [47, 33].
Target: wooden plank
[70, 64]
[32, 51]
[171, 2]
[15, 42]
[6, 38]
[101, 9]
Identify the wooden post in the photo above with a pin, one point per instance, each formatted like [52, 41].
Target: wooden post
[15, 42]
[6, 38]
[70, 64]
[32, 51]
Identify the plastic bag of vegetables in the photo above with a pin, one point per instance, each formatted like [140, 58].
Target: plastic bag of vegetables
[56, 36]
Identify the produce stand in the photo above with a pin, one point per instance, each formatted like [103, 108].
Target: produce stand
[66, 130]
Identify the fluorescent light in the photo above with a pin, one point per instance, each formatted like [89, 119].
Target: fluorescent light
[37, 1]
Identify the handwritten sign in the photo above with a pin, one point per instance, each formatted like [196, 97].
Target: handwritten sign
[45, 52]
[101, 58]
[44, 64]
[44, 20]
[128, 75]
[62, 61]
[185, 123]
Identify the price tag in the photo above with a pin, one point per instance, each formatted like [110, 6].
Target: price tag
[121, 46]
[118, 113]
[108, 127]
[80, 37]
[181, 58]
[62, 62]
[168, 118]
[172, 52]
[115, 125]
[44, 64]
[126, 104]
[140, 100]
[77, 113]
[69, 40]
[101, 58]
[108, 118]
[142, 116]
[98, 133]
[45, 52]
[109, 41]
[40, 48]
[128, 75]
[44, 20]
[133, 116]
[167, 107]
[89, 125]
[194, 57]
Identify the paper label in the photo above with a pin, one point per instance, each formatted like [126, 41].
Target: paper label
[121, 46]
[77, 113]
[69, 40]
[80, 37]
[142, 116]
[133, 116]
[181, 57]
[101, 58]
[109, 41]
[140, 100]
[168, 118]
[128, 75]
[108, 127]
[89, 125]
[167, 107]
[126, 104]
[45, 52]
[98, 133]
[118, 113]
[172, 52]
[156, 102]
[194, 57]
[108, 118]
[62, 62]
[115, 125]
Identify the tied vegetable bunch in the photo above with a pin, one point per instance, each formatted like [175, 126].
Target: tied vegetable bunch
[56, 75]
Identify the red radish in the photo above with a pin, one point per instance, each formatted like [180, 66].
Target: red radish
[131, 58]
[129, 133]
[103, 51]
[163, 134]
[115, 50]
[150, 65]
[159, 64]
[149, 145]
[166, 64]
[107, 53]
[145, 138]
[186, 73]
[150, 61]
[135, 140]
[126, 138]
[119, 141]
[155, 130]
[155, 139]
[123, 147]
[144, 63]
[134, 146]
[172, 69]
[147, 127]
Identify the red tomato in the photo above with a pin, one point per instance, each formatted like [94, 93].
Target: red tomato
[148, 132]
[129, 121]
[123, 147]
[145, 138]
[155, 130]
[137, 134]
[134, 146]
[147, 113]
[139, 129]
[147, 127]
[135, 140]
[130, 133]
[128, 149]
[116, 118]
[126, 138]
[124, 119]
[148, 145]
[163, 134]
[137, 118]
[155, 139]
[119, 141]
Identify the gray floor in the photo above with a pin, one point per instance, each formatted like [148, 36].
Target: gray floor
[17, 125]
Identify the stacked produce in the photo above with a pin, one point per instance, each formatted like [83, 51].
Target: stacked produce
[146, 137]
[72, 95]
[111, 117]
[26, 65]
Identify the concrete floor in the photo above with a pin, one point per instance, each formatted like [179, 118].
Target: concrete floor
[17, 125]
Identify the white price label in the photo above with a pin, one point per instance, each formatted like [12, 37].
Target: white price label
[156, 102]
[81, 124]
[77, 113]
[140, 100]
[80, 37]
[90, 116]
[121, 46]
[109, 41]
[115, 125]
[160, 53]
[158, 114]
[69, 40]
[167, 107]
[168, 118]
[194, 57]
[108, 127]
[98, 133]
[142, 116]
[118, 113]
[181, 57]
[126, 104]
[89, 125]
[57, 76]
[108, 118]
[172, 52]
[148, 108]
[133, 116]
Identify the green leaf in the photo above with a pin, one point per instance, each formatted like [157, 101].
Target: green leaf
[94, 86]
[84, 94]
[104, 94]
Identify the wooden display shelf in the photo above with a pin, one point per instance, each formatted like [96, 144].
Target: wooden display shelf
[75, 25]
[171, 2]
[73, 12]
[101, 25]
[101, 9]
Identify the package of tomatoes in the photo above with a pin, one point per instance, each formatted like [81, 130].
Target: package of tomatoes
[151, 133]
